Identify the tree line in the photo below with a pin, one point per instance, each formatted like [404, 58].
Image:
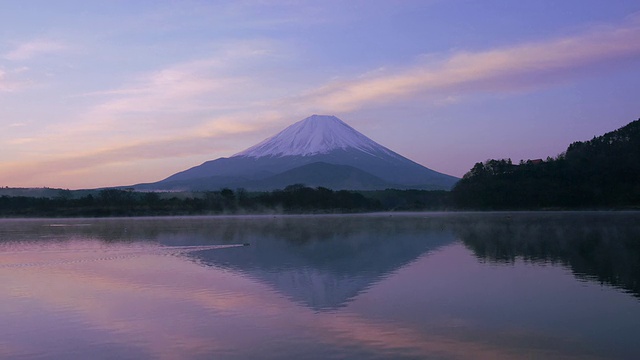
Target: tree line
[294, 199]
[601, 173]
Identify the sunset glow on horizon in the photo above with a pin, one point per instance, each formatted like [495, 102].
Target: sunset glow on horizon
[96, 94]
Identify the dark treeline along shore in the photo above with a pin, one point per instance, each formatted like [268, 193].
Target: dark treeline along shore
[293, 199]
[602, 173]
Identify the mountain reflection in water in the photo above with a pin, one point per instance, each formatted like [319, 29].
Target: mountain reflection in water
[380, 286]
[323, 262]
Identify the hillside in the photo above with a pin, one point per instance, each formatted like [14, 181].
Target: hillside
[600, 173]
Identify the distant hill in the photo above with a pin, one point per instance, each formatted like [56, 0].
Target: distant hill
[44, 192]
[317, 151]
[600, 173]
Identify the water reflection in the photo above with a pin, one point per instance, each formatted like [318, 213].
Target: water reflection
[448, 286]
[321, 262]
[597, 246]
[324, 262]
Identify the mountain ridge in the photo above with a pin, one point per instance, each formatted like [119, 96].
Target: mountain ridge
[316, 139]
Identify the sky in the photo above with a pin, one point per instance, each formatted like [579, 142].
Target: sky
[113, 93]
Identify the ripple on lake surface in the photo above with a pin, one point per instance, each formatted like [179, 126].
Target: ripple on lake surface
[451, 286]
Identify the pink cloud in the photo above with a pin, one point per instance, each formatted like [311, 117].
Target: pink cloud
[503, 69]
[34, 48]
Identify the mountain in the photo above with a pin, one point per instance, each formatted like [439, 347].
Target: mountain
[314, 135]
[317, 151]
[327, 175]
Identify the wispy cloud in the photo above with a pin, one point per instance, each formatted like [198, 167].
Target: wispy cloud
[214, 136]
[9, 80]
[65, 165]
[185, 109]
[16, 77]
[211, 105]
[3, 80]
[20, 141]
[503, 70]
[28, 50]
[192, 91]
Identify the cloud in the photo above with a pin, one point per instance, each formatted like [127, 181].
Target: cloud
[209, 84]
[34, 48]
[9, 81]
[3, 80]
[21, 141]
[14, 75]
[182, 110]
[174, 101]
[211, 137]
[211, 105]
[498, 70]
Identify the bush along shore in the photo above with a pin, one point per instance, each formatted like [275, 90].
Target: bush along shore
[294, 199]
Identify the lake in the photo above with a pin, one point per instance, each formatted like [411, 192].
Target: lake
[378, 286]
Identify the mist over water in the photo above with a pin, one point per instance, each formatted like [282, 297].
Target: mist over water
[426, 285]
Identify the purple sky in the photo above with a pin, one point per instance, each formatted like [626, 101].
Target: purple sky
[105, 93]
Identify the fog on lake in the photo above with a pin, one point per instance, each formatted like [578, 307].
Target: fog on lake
[373, 286]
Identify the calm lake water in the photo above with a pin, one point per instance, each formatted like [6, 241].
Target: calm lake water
[401, 286]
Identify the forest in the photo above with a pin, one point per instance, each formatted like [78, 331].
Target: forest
[601, 173]
[294, 199]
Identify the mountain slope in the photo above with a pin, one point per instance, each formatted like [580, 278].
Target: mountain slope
[316, 139]
[317, 134]
[600, 173]
[337, 177]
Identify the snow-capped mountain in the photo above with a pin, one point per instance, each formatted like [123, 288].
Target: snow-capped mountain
[317, 134]
[317, 151]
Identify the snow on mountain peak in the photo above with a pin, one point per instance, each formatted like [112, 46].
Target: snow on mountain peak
[317, 134]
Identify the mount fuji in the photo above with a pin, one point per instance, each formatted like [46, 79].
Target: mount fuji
[317, 151]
